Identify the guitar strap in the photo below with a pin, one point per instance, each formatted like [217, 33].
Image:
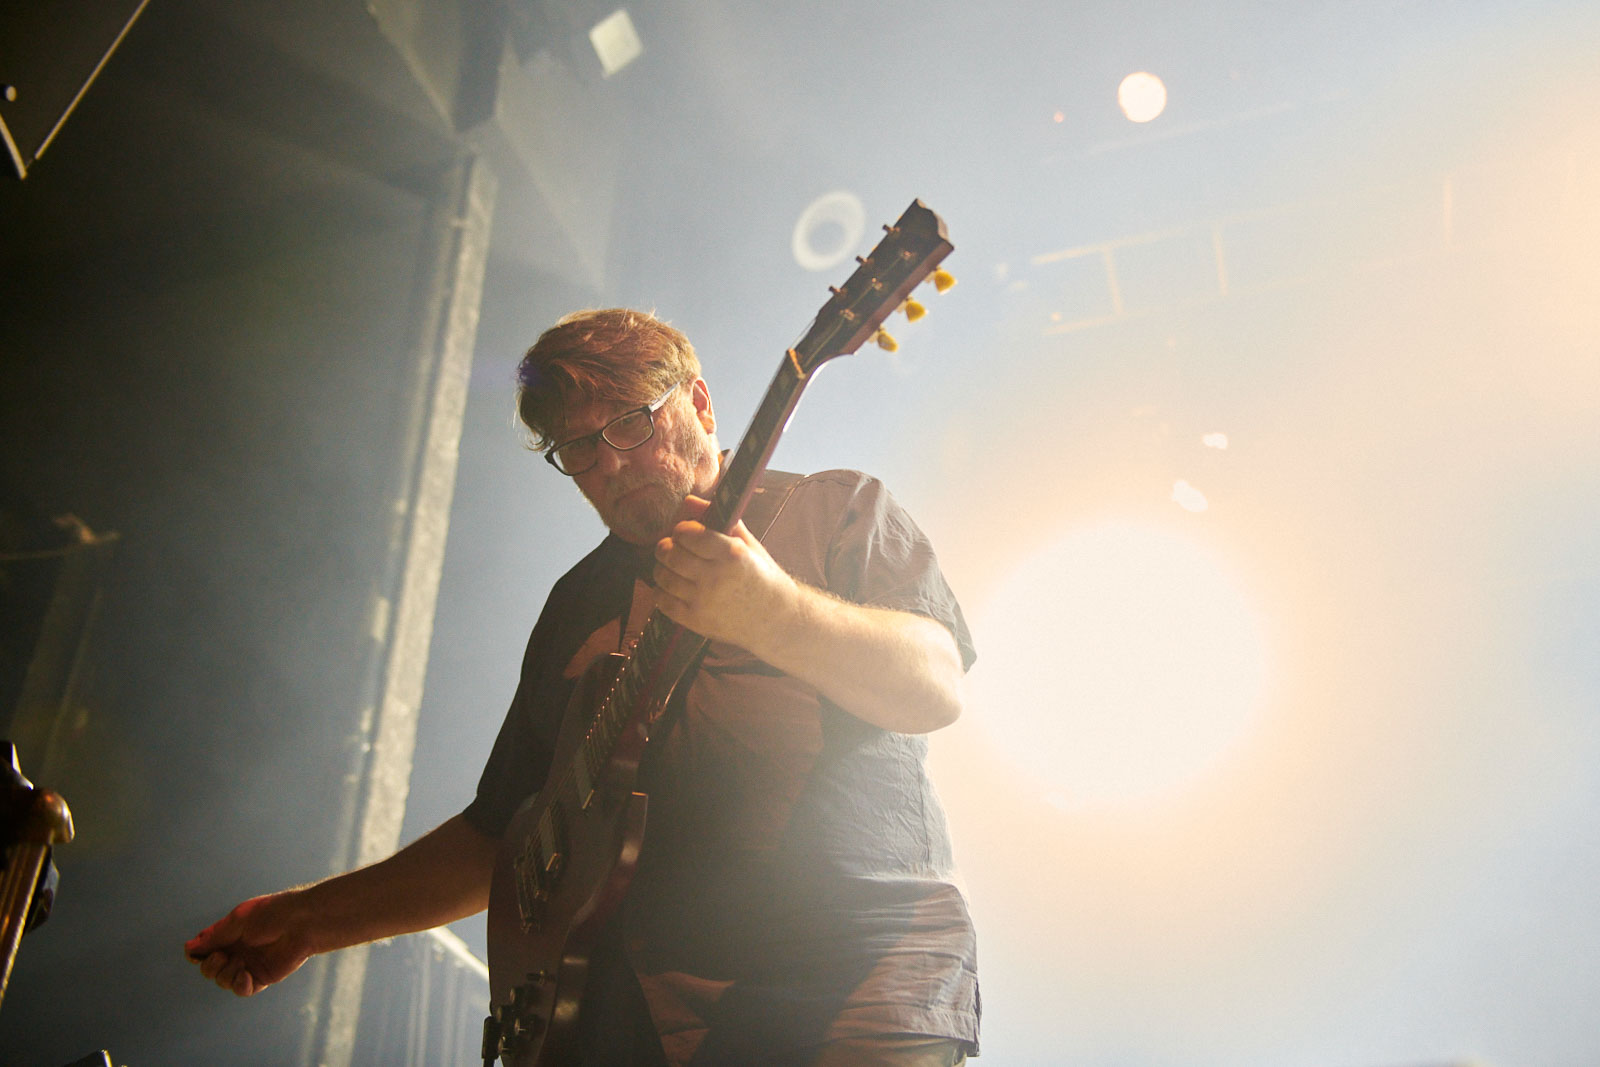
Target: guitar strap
[768, 500]
[766, 504]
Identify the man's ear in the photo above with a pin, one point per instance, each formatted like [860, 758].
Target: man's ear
[701, 397]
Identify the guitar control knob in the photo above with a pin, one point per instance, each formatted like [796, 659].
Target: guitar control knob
[490, 1049]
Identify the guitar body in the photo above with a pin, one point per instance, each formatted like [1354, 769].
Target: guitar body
[570, 852]
[541, 932]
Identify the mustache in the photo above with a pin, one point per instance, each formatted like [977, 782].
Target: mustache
[627, 484]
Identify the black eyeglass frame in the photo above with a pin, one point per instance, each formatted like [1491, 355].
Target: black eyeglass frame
[647, 410]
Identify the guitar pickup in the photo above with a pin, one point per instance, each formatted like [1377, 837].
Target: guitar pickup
[583, 776]
[552, 837]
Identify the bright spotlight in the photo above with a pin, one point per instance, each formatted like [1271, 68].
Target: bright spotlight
[1188, 497]
[1120, 663]
[615, 41]
[1142, 96]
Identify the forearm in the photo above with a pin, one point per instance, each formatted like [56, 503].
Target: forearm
[442, 876]
[893, 669]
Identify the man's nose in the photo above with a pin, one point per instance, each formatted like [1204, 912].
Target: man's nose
[608, 459]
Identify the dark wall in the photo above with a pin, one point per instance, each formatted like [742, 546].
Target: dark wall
[205, 343]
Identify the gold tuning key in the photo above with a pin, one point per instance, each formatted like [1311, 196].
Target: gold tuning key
[885, 341]
[913, 310]
[943, 280]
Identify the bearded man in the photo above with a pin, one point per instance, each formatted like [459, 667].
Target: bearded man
[793, 902]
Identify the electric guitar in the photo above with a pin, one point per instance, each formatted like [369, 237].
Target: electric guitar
[570, 851]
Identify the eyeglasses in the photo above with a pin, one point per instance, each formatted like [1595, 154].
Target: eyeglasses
[623, 433]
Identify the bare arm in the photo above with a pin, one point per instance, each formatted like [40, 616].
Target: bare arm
[891, 668]
[442, 876]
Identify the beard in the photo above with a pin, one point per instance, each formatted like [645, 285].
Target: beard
[642, 506]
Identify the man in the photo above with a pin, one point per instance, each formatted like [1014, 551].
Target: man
[792, 903]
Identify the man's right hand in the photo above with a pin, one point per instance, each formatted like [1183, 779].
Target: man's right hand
[440, 877]
[260, 942]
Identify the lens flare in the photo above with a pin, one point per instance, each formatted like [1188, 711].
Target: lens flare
[1118, 665]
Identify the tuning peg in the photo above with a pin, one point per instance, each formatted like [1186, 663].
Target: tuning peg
[913, 310]
[885, 341]
[943, 280]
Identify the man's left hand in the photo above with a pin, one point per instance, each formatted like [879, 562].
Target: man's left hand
[725, 587]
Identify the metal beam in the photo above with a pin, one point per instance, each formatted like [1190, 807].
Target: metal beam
[375, 808]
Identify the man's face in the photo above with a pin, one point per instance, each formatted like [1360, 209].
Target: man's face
[638, 493]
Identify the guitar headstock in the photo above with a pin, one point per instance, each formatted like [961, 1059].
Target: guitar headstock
[909, 253]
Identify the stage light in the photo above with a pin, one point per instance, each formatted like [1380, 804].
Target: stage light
[1142, 96]
[615, 41]
[1120, 663]
[1188, 497]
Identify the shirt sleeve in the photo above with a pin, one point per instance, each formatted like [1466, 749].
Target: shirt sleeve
[522, 751]
[595, 590]
[879, 556]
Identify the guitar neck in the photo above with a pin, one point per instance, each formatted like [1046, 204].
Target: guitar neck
[742, 470]
[915, 245]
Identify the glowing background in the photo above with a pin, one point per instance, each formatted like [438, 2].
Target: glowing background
[1122, 665]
